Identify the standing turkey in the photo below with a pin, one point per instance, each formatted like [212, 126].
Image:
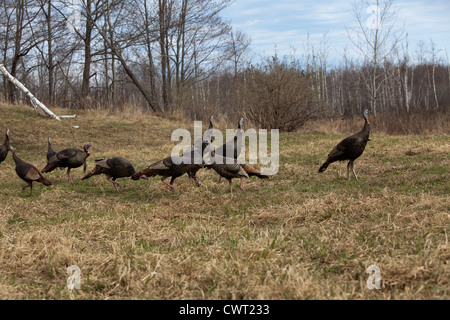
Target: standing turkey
[50, 151]
[167, 168]
[28, 173]
[114, 168]
[195, 155]
[199, 151]
[253, 172]
[68, 158]
[233, 148]
[4, 147]
[227, 168]
[207, 135]
[350, 148]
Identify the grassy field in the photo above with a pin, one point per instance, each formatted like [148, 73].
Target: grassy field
[298, 235]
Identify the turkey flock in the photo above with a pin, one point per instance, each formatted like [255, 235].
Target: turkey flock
[173, 167]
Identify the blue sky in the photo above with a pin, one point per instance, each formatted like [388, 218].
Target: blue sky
[286, 23]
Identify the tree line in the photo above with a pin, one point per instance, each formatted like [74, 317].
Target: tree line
[182, 56]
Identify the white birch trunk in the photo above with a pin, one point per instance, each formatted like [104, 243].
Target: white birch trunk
[434, 88]
[35, 102]
[448, 69]
[407, 92]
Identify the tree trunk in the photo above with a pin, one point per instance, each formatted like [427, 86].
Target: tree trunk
[35, 102]
[162, 39]
[152, 70]
[51, 67]
[85, 87]
[434, 87]
[115, 49]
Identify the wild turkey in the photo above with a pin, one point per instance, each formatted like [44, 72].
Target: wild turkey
[233, 148]
[28, 173]
[253, 172]
[4, 147]
[229, 171]
[350, 148]
[190, 153]
[207, 135]
[50, 151]
[166, 168]
[192, 173]
[114, 168]
[227, 168]
[68, 158]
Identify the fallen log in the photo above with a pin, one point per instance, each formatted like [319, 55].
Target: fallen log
[34, 101]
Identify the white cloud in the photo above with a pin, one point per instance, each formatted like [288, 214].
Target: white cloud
[286, 23]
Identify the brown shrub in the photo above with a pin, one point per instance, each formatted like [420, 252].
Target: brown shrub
[279, 96]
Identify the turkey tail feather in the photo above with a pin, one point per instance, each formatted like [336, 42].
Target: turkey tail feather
[45, 181]
[90, 174]
[324, 167]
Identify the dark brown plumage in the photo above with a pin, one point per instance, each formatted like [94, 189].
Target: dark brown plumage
[350, 148]
[253, 172]
[227, 168]
[4, 147]
[195, 155]
[167, 168]
[28, 173]
[229, 171]
[68, 158]
[114, 168]
[50, 151]
[207, 136]
[233, 148]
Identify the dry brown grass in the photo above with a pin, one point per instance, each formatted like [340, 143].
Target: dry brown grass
[403, 124]
[299, 235]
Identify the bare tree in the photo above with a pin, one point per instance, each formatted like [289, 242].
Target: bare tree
[23, 40]
[238, 47]
[165, 15]
[146, 20]
[375, 38]
[54, 47]
[433, 53]
[123, 40]
[6, 35]
[197, 39]
[448, 69]
[405, 64]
